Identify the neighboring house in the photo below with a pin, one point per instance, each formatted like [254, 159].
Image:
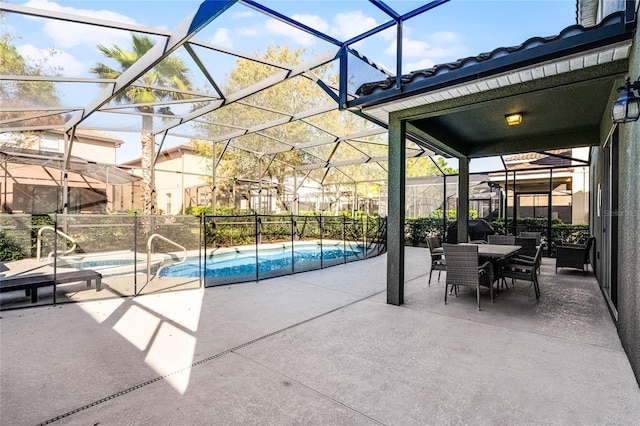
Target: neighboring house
[425, 195]
[567, 170]
[563, 88]
[562, 173]
[31, 174]
[181, 177]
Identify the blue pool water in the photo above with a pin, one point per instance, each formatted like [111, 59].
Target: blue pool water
[101, 263]
[238, 264]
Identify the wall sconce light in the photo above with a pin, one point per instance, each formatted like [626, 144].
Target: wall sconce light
[627, 107]
[514, 119]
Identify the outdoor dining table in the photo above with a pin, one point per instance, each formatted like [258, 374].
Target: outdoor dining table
[496, 253]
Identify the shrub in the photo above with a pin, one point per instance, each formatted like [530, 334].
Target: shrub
[9, 249]
[452, 214]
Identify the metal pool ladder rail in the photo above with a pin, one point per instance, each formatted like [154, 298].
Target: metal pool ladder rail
[165, 239]
[57, 231]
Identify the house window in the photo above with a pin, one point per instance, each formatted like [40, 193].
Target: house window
[168, 211]
[204, 199]
[49, 143]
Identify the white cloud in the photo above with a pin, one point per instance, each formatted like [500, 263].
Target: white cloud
[301, 37]
[432, 49]
[420, 65]
[66, 34]
[350, 24]
[242, 15]
[55, 60]
[389, 34]
[410, 48]
[222, 38]
[313, 21]
[445, 37]
[249, 32]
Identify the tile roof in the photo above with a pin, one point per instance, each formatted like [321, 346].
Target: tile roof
[534, 155]
[94, 134]
[436, 70]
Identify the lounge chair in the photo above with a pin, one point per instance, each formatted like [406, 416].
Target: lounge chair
[574, 255]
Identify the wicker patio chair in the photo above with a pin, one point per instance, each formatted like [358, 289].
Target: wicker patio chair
[528, 246]
[508, 240]
[463, 269]
[574, 255]
[536, 235]
[522, 269]
[529, 249]
[438, 262]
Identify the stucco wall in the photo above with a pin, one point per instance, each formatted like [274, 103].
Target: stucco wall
[95, 151]
[629, 229]
[595, 220]
[174, 183]
[628, 214]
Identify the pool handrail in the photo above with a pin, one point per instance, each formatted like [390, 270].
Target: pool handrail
[165, 239]
[57, 231]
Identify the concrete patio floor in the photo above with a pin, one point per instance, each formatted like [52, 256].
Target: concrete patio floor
[322, 348]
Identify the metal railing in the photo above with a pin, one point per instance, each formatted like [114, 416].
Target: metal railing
[114, 246]
[149, 247]
[303, 243]
[58, 232]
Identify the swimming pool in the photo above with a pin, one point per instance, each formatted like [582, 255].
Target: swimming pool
[241, 265]
[112, 264]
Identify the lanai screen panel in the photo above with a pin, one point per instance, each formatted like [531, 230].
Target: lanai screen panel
[263, 78]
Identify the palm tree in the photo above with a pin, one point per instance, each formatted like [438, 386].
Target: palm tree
[171, 73]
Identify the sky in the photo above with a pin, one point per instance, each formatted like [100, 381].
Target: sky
[454, 30]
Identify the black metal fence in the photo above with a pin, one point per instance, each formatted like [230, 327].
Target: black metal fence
[257, 247]
[416, 231]
[144, 254]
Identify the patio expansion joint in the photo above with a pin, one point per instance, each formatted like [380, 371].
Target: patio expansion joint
[317, 392]
[551, 336]
[210, 358]
[325, 287]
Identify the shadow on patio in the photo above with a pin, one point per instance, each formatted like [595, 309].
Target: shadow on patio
[324, 348]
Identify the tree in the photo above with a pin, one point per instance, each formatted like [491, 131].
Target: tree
[423, 166]
[243, 158]
[31, 95]
[170, 73]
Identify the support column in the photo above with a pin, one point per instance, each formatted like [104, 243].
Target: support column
[258, 210]
[354, 206]
[214, 178]
[549, 211]
[295, 206]
[445, 206]
[463, 199]
[396, 206]
[183, 199]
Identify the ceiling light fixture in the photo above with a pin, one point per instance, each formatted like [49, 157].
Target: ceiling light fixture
[627, 107]
[514, 119]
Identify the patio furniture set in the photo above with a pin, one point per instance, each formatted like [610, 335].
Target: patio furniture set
[504, 256]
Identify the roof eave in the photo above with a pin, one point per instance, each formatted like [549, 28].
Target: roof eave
[611, 33]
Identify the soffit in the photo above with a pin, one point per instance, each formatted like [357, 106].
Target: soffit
[604, 55]
[459, 108]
